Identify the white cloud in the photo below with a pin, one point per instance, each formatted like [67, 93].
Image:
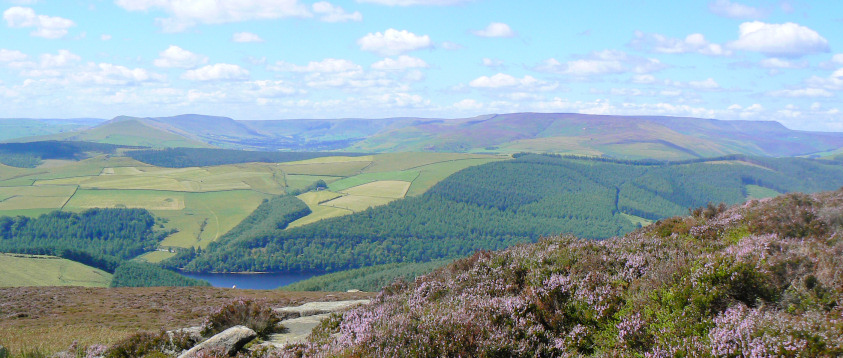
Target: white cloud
[601, 63]
[11, 55]
[777, 63]
[451, 46]
[177, 57]
[467, 104]
[220, 71]
[51, 27]
[187, 13]
[735, 10]
[327, 65]
[333, 13]
[61, 59]
[105, 37]
[110, 75]
[838, 58]
[488, 62]
[495, 29]
[502, 80]
[804, 92]
[402, 63]
[393, 42]
[246, 37]
[708, 84]
[782, 40]
[644, 79]
[693, 43]
[415, 2]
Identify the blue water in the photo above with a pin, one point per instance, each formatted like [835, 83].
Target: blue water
[254, 281]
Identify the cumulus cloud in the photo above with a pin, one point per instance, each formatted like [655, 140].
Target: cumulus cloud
[488, 62]
[467, 104]
[177, 57]
[778, 63]
[502, 80]
[326, 65]
[217, 72]
[61, 59]
[11, 55]
[693, 43]
[111, 74]
[779, 40]
[708, 84]
[331, 13]
[50, 27]
[495, 29]
[803, 92]
[187, 13]
[415, 2]
[735, 10]
[246, 37]
[393, 42]
[601, 63]
[403, 62]
[105, 37]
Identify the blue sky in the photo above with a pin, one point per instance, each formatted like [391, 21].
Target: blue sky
[277, 59]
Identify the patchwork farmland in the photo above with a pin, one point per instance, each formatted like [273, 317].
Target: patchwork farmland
[200, 204]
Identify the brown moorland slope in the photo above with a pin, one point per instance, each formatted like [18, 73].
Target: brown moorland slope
[50, 319]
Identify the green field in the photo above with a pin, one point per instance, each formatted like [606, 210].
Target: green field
[760, 192]
[37, 270]
[343, 184]
[200, 204]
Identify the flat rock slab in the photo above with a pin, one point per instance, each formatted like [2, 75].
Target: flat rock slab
[297, 330]
[317, 308]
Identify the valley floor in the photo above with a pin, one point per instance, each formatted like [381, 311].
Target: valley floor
[50, 319]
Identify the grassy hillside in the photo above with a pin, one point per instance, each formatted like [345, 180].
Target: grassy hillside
[499, 204]
[39, 270]
[761, 279]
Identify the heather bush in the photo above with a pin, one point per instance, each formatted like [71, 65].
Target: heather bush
[759, 280]
[243, 312]
[149, 344]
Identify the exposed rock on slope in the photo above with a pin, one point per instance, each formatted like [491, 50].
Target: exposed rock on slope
[761, 279]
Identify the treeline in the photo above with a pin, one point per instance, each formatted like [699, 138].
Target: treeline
[198, 157]
[141, 274]
[368, 279]
[499, 204]
[101, 238]
[32, 154]
[122, 233]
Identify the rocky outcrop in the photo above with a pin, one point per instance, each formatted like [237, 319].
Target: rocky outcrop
[317, 308]
[229, 342]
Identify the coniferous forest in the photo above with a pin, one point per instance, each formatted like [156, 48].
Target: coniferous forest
[496, 205]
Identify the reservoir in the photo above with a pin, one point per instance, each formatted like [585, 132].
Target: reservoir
[254, 281]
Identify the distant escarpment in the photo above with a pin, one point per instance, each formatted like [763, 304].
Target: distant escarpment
[759, 279]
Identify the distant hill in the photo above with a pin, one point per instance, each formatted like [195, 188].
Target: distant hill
[11, 128]
[130, 131]
[624, 137]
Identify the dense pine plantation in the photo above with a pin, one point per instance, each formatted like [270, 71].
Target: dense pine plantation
[199, 157]
[122, 233]
[500, 204]
[141, 274]
[32, 154]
